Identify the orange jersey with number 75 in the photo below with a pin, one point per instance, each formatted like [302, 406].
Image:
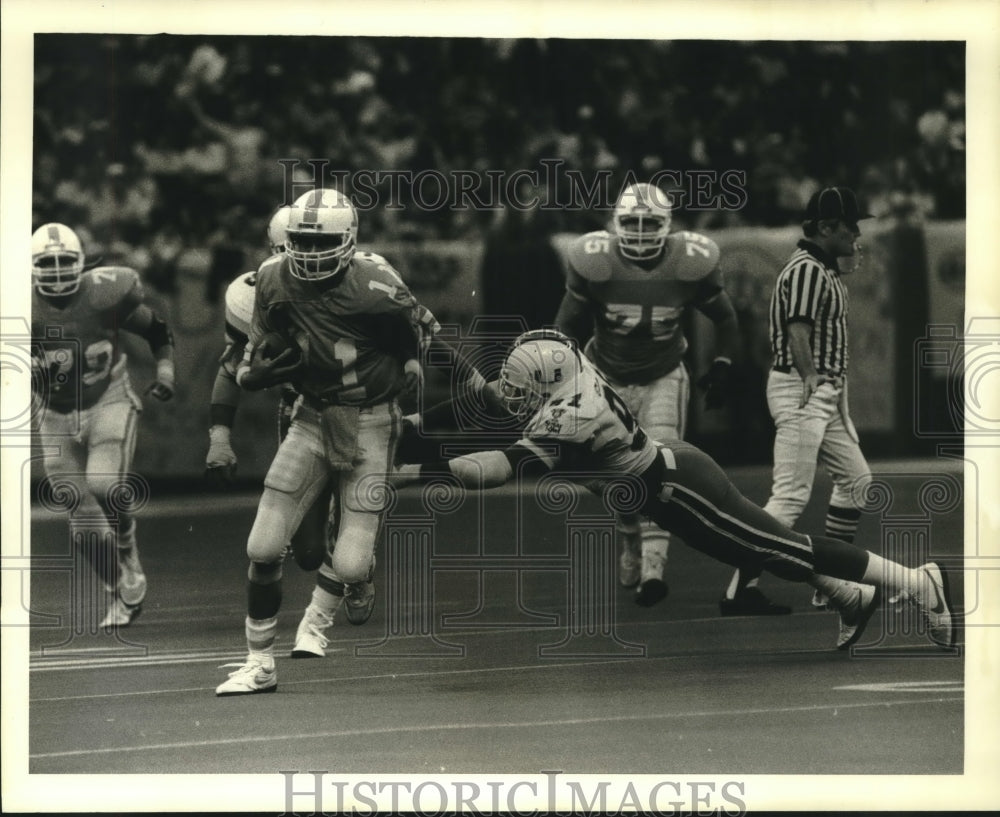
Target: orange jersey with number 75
[638, 306]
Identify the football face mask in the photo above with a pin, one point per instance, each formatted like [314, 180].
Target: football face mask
[642, 221]
[532, 372]
[322, 235]
[56, 260]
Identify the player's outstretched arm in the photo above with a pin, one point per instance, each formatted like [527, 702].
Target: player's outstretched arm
[477, 471]
[468, 375]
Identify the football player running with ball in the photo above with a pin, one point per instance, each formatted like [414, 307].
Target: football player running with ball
[308, 543]
[578, 426]
[626, 293]
[89, 412]
[351, 332]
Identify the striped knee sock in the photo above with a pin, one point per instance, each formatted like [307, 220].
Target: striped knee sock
[842, 523]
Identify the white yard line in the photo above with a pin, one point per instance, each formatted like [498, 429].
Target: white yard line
[397, 730]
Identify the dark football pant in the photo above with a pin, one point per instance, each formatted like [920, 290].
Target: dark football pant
[705, 509]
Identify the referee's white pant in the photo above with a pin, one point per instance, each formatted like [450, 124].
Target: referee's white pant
[820, 432]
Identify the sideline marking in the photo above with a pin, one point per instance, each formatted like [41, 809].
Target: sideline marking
[908, 686]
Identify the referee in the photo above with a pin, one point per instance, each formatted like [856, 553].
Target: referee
[807, 386]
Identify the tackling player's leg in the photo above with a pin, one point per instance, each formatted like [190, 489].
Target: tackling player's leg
[712, 516]
[799, 432]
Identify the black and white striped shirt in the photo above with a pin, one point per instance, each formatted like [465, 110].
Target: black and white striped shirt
[809, 289]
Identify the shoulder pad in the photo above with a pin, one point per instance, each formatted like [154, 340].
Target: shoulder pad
[269, 273]
[377, 267]
[378, 286]
[272, 262]
[373, 257]
[590, 254]
[107, 287]
[692, 255]
[239, 301]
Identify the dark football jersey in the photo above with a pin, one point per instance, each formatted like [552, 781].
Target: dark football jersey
[637, 310]
[76, 346]
[351, 334]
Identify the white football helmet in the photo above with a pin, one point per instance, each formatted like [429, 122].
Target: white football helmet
[642, 221]
[322, 234]
[533, 370]
[277, 230]
[56, 260]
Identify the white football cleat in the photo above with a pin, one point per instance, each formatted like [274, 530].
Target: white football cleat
[310, 638]
[854, 615]
[131, 579]
[256, 675]
[936, 610]
[120, 614]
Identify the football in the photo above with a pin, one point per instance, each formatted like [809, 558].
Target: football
[274, 343]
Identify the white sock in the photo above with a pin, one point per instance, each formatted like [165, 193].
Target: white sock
[654, 556]
[261, 633]
[126, 535]
[326, 602]
[893, 576]
[838, 591]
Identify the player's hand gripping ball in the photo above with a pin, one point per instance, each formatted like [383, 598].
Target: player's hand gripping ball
[275, 358]
[274, 344]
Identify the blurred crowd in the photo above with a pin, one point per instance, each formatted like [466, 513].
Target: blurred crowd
[152, 145]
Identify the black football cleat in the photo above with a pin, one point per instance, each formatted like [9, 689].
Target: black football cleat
[749, 601]
[650, 592]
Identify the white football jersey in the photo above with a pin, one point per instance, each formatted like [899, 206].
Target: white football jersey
[593, 427]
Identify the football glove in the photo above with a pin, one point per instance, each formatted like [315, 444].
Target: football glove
[413, 376]
[715, 383]
[163, 388]
[220, 463]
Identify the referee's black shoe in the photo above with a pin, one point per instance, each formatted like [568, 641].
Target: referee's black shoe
[650, 592]
[749, 601]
